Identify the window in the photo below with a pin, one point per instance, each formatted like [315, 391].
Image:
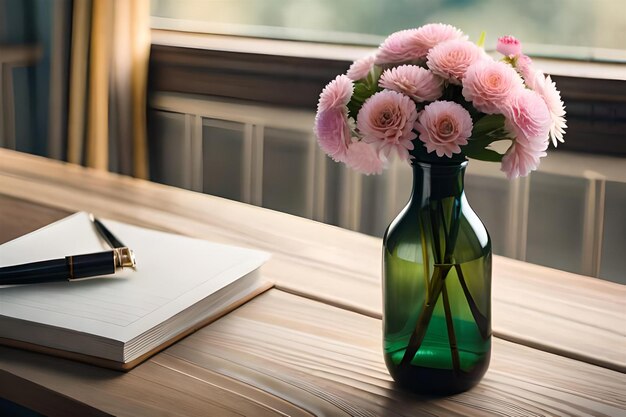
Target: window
[266, 62]
[583, 29]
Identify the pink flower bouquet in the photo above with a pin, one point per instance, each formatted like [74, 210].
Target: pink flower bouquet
[432, 95]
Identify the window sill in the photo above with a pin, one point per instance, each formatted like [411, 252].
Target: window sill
[292, 74]
[349, 53]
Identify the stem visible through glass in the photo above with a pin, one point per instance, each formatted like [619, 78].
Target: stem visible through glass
[437, 283]
[456, 361]
[440, 271]
[481, 321]
[425, 259]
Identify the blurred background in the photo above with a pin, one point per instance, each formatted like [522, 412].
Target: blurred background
[219, 97]
[569, 28]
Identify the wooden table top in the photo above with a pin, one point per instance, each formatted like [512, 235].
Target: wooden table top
[313, 344]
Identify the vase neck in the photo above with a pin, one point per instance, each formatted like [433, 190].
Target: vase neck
[437, 181]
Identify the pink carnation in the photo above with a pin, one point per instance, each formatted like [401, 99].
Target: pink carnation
[386, 120]
[361, 67]
[336, 94]
[413, 44]
[333, 133]
[489, 85]
[528, 116]
[435, 33]
[364, 158]
[451, 59]
[524, 66]
[414, 81]
[509, 46]
[400, 47]
[546, 88]
[522, 158]
[444, 126]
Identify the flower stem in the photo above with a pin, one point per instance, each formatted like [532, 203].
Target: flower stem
[417, 337]
[450, 244]
[437, 283]
[425, 259]
[454, 350]
[481, 321]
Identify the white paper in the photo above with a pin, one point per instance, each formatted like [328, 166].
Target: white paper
[173, 272]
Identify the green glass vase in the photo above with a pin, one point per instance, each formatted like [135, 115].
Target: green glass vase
[437, 286]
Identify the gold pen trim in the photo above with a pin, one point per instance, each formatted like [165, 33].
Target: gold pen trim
[124, 258]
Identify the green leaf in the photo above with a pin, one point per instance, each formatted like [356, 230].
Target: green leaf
[483, 154]
[361, 92]
[478, 143]
[363, 89]
[477, 148]
[374, 75]
[488, 124]
[353, 109]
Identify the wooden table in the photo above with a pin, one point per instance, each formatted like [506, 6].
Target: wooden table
[312, 345]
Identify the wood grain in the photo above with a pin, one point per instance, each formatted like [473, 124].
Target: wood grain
[19, 217]
[284, 355]
[551, 310]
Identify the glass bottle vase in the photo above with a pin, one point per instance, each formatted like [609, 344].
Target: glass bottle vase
[437, 286]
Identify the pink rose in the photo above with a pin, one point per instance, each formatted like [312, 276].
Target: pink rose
[522, 158]
[333, 133]
[451, 59]
[413, 44]
[509, 46]
[363, 157]
[489, 85]
[386, 120]
[414, 81]
[361, 67]
[444, 126]
[528, 116]
[336, 94]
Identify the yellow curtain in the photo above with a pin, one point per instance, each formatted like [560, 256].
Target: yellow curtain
[108, 83]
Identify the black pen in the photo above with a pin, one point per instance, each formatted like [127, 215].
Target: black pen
[75, 267]
[70, 268]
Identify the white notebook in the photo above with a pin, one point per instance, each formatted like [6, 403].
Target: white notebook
[179, 285]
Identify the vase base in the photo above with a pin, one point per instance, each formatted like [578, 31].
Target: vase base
[433, 381]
